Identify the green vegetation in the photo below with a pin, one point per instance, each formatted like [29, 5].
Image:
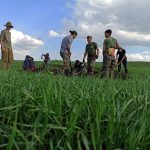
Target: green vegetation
[39, 111]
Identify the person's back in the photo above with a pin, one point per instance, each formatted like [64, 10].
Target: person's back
[65, 52]
[65, 42]
[29, 64]
[122, 59]
[121, 54]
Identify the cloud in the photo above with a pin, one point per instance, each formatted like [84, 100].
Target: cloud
[130, 25]
[54, 34]
[128, 19]
[23, 44]
[144, 56]
[135, 36]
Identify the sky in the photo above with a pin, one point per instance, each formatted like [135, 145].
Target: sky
[40, 25]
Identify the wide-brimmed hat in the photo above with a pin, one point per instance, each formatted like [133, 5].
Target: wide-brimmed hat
[9, 24]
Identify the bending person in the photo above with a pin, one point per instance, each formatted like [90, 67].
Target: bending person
[65, 51]
[122, 59]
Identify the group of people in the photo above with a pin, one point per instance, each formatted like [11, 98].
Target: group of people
[29, 65]
[91, 52]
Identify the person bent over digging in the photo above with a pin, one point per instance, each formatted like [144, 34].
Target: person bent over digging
[109, 61]
[65, 51]
[122, 59]
[92, 53]
[6, 46]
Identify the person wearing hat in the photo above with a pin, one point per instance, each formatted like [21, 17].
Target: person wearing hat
[92, 51]
[65, 51]
[6, 46]
[109, 61]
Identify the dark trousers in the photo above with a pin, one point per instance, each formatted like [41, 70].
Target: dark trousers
[124, 64]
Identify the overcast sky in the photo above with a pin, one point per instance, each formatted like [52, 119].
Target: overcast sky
[41, 24]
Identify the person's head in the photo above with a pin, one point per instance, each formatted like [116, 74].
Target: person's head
[77, 61]
[120, 49]
[47, 54]
[73, 34]
[89, 39]
[108, 33]
[9, 25]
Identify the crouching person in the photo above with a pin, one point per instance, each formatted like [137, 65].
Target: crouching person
[79, 68]
[28, 64]
[92, 53]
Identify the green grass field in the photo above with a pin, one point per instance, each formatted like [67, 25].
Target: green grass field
[40, 111]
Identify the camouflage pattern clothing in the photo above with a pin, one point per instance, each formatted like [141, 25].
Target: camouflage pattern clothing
[66, 61]
[65, 53]
[91, 50]
[79, 68]
[109, 61]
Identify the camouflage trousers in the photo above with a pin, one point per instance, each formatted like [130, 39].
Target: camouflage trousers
[7, 57]
[91, 65]
[108, 66]
[66, 62]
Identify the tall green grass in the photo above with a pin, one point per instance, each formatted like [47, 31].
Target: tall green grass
[42, 111]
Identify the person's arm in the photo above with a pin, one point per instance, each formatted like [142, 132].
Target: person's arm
[104, 47]
[124, 56]
[85, 54]
[43, 57]
[117, 56]
[69, 45]
[117, 45]
[2, 35]
[98, 51]
[69, 49]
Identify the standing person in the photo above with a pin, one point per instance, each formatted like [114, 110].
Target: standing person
[6, 46]
[92, 53]
[65, 51]
[122, 59]
[109, 61]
